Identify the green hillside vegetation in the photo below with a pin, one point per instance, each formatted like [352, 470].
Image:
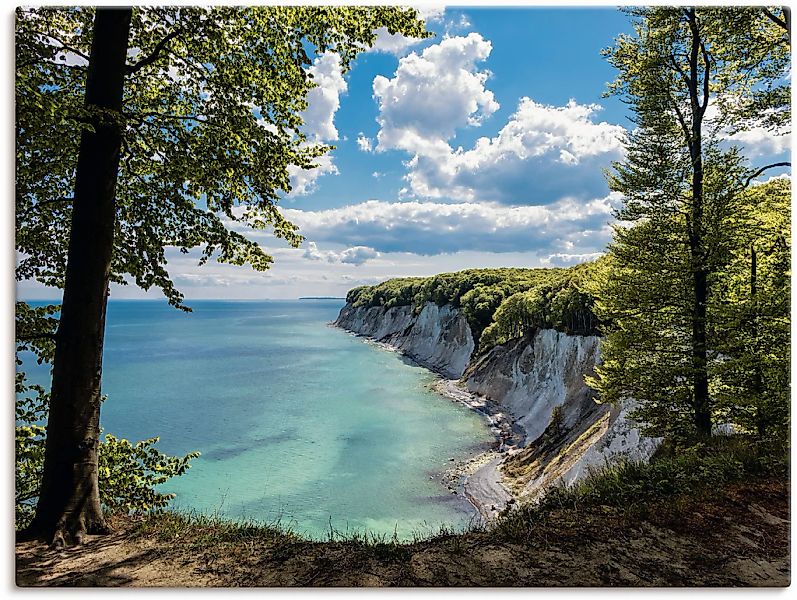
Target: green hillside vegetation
[499, 304]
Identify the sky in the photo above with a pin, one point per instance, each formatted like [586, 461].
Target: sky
[484, 146]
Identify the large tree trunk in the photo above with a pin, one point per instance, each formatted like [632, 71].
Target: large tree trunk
[701, 400]
[69, 501]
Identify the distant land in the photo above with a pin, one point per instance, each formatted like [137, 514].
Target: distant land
[321, 298]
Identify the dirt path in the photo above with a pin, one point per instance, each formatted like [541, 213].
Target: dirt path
[737, 538]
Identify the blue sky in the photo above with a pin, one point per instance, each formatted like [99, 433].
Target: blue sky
[483, 146]
[551, 55]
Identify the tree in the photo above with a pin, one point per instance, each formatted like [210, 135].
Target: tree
[174, 126]
[680, 187]
[753, 321]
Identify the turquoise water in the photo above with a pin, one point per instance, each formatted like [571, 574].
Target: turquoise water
[297, 421]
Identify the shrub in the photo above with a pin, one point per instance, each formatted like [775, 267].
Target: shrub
[128, 473]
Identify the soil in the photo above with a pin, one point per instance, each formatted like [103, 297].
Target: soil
[737, 536]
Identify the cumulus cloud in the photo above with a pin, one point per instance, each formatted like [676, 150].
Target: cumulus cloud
[319, 120]
[304, 181]
[324, 99]
[760, 141]
[548, 149]
[358, 255]
[398, 44]
[433, 94]
[365, 144]
[553, 150]
[355, 255]
[393, 43]
[568, 226]
[756, 141]
[562, 259]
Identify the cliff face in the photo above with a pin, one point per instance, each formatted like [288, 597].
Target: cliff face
[530, 378]
[438, 337]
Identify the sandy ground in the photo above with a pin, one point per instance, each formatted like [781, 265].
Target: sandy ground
[480, 478]
[485, 490]
[737, 537]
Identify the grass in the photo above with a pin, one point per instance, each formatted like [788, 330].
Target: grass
[200, 531]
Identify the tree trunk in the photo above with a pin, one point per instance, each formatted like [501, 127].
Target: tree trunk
[701, 401]
[69, 501]
[757, 383]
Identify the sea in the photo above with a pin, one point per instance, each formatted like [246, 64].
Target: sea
[299, 423]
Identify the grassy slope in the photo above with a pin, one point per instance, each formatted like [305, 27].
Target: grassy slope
[734, 534]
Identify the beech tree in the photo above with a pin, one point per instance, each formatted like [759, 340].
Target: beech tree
[692, 76]
[145, 129]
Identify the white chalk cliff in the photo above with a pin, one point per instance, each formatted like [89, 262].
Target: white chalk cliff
[438, 337]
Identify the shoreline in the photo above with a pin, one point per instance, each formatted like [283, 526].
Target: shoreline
[478, 478]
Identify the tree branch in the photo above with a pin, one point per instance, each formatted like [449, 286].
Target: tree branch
[706, 72]
[153, 56]
[762, 169]
[782, 23]
[67, 47]
[36, 336]
[679, 70]
[27, 211]
[680, 115]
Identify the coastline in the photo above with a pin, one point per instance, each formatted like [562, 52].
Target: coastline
[478, 478]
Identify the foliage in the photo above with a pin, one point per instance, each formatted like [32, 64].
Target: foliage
[35, 329]
[480, 293]
[663, 293]
[703, 466]
[212, 131]
[129, 474]
[563, 304]
[631, 487]
[220, 86]
[752, 308]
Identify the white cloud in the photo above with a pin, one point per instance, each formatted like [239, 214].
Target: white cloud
[552, 150]
[393, 43]
[319, 120]
[430, 13]
[568, 226]
[433, 94]
[356, 255]
[324, 99]
[562, 259]
[305, 181]
[365, 144]
[398, 44]
[756, 142]
[759, 141]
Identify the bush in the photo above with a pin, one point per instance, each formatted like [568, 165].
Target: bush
[128, 473]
